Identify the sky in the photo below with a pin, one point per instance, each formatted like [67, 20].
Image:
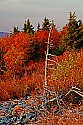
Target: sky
[15, 12]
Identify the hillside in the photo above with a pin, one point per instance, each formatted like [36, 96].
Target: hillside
[2, 34]
[41, 75]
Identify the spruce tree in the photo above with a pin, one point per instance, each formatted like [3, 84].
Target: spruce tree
[15, 30]
[46, 24]
[28, 27]
[74, 37]
[38, 27]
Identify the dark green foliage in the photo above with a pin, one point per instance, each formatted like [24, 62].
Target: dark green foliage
[34, 51]
[28, 27]
[74, 38]
[38, 27]
[46, 24]
[15, 30]
[58, 50]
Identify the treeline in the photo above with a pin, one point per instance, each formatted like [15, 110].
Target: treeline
[26, 45]
[72, 32]
[70, 38]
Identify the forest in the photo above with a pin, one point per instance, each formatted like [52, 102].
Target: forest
[22, 59]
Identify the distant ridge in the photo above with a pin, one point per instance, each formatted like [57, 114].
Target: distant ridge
[2, 34]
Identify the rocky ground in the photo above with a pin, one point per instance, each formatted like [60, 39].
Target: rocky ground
[29, 111]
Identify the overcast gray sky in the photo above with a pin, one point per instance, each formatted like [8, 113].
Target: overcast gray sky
[15, 12]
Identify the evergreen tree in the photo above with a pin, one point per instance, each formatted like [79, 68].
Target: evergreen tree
[38, 27]
[74, 37]
[25, 27]
[46, 24]
[28, 27]
[15, 30]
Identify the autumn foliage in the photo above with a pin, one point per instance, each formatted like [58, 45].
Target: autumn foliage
[22, 64]
[67, 71]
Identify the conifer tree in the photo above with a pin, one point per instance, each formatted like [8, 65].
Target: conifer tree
[74, 37]
[46, 24]
[15, 30]
[38, 27]
[28, 27]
